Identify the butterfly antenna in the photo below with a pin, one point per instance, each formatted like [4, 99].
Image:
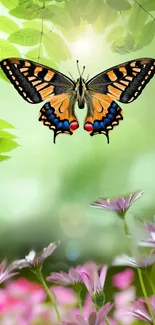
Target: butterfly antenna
[77, 62]
[83, 70]
[71, 76]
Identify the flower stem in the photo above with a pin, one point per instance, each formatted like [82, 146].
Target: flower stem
[106, 321]
[145, 295]
[49, 293]
[79, 302]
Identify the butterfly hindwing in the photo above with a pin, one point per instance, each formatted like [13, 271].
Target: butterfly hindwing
[124, 82]
[58, 114]
[103, 114]
[35, 82]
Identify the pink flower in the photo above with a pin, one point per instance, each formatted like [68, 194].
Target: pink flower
[6, 273]
[150, 241]
[140, 310]
[123, 279]
[123, 300]
[94, 318]
[120, 205]
[34, 261]
[141, 261]
[63, 278]
[90, 277]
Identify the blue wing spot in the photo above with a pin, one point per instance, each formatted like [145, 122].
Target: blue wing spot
[96, 125]
[102, 125]
[66, 124]
[114, 104]
[111, 117]
[106, 121]
[113, 111]
[60, 125]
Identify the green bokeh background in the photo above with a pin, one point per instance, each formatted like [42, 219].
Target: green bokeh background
[46, 188]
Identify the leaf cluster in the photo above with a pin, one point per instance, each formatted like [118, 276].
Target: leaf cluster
[7, 140]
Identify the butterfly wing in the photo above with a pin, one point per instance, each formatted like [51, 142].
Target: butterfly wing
[36, 83]
[103, 114]
[58, 114]
[124, 83]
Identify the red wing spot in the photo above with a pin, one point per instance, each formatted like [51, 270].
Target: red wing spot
[74, 125]
[88, 127]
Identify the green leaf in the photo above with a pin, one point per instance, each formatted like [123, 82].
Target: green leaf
[35, 24]
[4, 134]
[60, 17]
[149, 6]
[129, 42]
[10, 4]
[7, 49]
[118, 46]
[137, 20]
[147, 33]
[92, 11]
[33, 54]
[49, 63]
[2, 158]
[119, 5]
[46, 13]
[26, 10]
[7, 25]
[5, 125]
[56, 48]
[72, 8]
[25, 37]
[7, 145]
[107, 17]
[115, 33]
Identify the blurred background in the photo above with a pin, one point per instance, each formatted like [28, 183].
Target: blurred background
[46, 188]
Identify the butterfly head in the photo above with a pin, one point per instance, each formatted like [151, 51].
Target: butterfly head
[80, 87]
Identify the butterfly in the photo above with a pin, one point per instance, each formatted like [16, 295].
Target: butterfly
[36, 83]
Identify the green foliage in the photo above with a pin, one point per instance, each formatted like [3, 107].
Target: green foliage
[119, 4]
[10, 4]
[7, 25]
[26, 10]
[133, 30]
[55, 44]
[6, 140]
[25, 37]
[137, 20]
[7, 49]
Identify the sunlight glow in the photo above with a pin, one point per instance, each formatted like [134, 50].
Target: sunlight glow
[82, 47]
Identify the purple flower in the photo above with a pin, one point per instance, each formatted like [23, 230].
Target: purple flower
[150, 241]
[6, 273]
[120, 205]
[90, 277]
[63, 278]
[94, 318]
[35, 261]
[141, 261]
[140, 310]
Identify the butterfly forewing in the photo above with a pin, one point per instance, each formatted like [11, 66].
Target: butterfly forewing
[35, 82]
[124, 82]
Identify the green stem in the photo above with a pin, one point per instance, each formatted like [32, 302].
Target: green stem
[79, 302]
[49, 294]
[106, 321]
[145, 295]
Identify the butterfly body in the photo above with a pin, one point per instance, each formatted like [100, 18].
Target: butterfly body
[36, 83]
